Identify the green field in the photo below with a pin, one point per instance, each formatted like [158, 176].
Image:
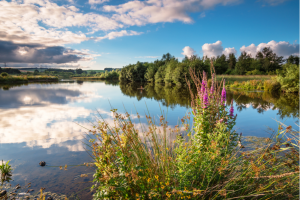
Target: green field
[241, 78]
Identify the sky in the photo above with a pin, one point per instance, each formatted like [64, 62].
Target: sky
[98, 34]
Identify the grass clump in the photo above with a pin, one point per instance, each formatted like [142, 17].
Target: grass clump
[205, 161]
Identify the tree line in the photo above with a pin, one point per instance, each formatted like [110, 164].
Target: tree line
[169, 70]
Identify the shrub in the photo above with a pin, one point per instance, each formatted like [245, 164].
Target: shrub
[4, 74]
[288, 77]
[272, 86]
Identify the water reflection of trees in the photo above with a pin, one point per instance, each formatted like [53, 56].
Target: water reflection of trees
[169, 96]
[286, 104]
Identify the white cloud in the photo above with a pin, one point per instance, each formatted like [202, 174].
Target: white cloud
[97, 1]
[213, 49]
[20, 23]
[115, 34]
[228, 51]
[188, 51]
[281, 48]
[274, 2]
[155, 11]
[251, 49]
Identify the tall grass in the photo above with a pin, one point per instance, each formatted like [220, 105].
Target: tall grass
[205, 161]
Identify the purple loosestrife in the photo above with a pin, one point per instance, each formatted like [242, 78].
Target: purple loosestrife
[203, 86]
[205, 100]
[231, 109]
[212, 89]
[223, 94]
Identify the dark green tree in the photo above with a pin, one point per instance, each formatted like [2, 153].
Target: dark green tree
[231, 61]
[269, 60]
[243, 64]
[221, 65]
[79, 71]
[293, 60]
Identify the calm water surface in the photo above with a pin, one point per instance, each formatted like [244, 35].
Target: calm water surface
[48, 122]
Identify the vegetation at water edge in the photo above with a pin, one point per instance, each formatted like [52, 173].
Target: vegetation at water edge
[205, 161]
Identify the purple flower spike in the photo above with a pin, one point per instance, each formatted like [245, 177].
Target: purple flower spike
[223, 94]
[203, 86]
[231, 109]
[205, 100]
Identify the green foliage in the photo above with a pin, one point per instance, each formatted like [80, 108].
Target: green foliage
[6, 172]
[4, 74]
[272, 86]
[243, 64]
[288, 77]
[256, 72]
[221, 64]
[268, 60]
[136, 161]
[293, 60]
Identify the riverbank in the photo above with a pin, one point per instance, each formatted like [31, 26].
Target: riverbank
[26, 79]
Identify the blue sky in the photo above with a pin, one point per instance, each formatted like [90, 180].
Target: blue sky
[95, 34]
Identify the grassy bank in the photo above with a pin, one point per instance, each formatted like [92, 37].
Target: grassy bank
[240, 78]
[286, 80]
[26, 79]
[206, 161]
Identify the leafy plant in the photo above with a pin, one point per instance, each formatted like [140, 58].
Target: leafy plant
[6, 172]
[288, 77]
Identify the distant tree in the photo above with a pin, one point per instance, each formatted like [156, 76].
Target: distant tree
[79, 71]
[36, 72]
[150, 72]
[293, 60]
[269, 60]
[160, 74]
[92, 72]
[243, 64]
[231, 61]
[221, 65]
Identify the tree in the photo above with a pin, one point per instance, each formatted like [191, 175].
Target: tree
[92, 72]
[243, 64]
[79, 71]
[221, 65]
[293, 60]
[36, 72]
[269, 60]
[150, 72]
[160, 74]
[231, 61]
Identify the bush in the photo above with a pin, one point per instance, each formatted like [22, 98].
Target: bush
[255, 72]
[272, 86]
[4, 74]
[288, 77]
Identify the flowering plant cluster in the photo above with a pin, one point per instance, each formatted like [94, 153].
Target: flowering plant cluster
[198, 162]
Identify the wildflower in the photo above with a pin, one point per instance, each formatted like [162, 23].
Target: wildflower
[205, 100]
[231, 109]
[223, 94]
[156, 177]
[167, 183]
[168, 194]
